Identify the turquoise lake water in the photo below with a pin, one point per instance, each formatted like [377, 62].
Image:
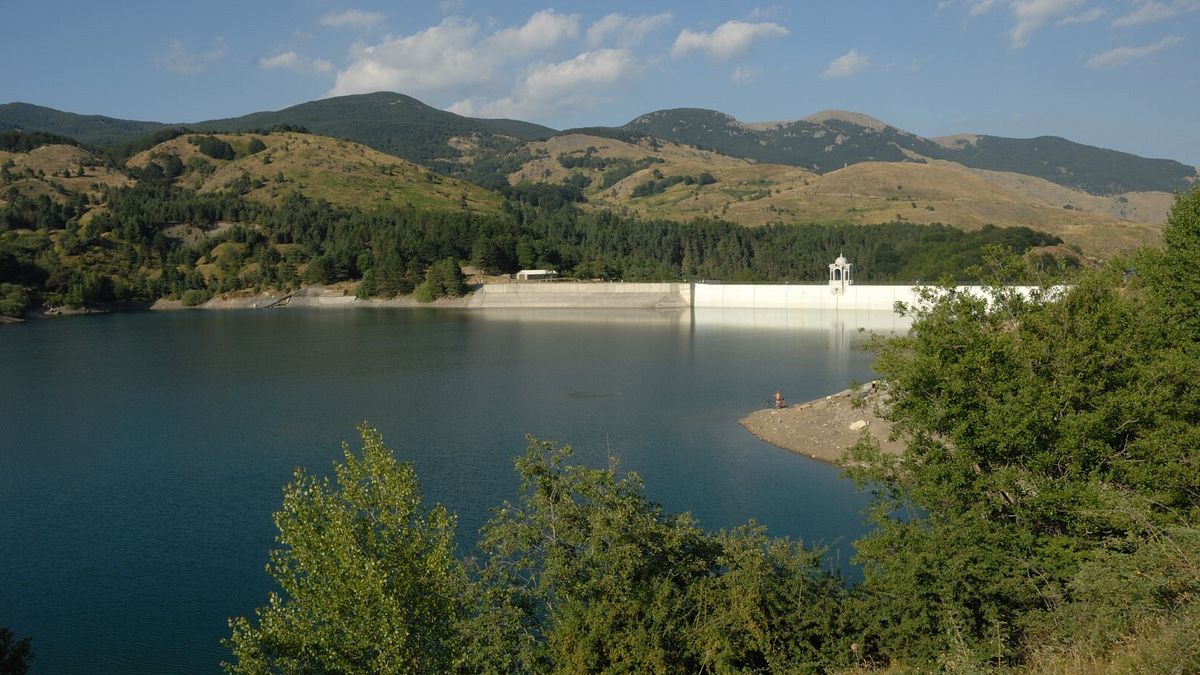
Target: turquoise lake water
[141, 455]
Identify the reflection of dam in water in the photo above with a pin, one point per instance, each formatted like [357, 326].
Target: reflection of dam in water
[843, 326]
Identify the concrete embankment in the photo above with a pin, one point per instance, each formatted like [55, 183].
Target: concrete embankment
[582, 295]
[845, 302]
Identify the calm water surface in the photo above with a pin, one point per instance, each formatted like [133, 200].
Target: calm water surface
[141, 455]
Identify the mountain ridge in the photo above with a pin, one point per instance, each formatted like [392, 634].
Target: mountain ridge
[825, 141]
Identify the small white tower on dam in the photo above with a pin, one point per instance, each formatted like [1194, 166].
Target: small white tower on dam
[840, 275]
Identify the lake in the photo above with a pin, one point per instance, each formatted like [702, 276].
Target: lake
[141, 455]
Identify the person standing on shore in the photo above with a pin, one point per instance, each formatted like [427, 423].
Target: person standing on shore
[778, 398]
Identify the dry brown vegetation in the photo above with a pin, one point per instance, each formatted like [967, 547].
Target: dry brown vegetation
[338, 171]
[872, 192]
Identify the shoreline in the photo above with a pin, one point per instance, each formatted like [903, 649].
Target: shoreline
[695, 297]
[824, 428]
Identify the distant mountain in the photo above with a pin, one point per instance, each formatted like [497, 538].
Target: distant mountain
[393, 123]
[834, 140]
[96, 130]
[652, 178]
[396, 124]
[481, 149]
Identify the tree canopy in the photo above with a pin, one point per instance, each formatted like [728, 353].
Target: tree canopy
[1045, 514]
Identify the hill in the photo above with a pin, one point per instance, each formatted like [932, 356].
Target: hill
[62, 173]
[823, 142]
[396, 124]
[338, 171]
[96, 130]
[832, 140]
[654, 179]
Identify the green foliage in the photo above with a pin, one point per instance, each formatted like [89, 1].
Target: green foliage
[544, 195]
[13, 299]
[256, 146]
[618, 169]
[585, 575]
[1050, 464]
[443, 279]
[15, 657]
[213, 147]
[1171, 270]
[581, 574]
[24, 141]
[368, 580]
[194, 297]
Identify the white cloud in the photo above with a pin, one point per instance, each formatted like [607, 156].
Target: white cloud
[292, 61]
[846, 65]
[730, 39]
[1149, 11]
[771, 12]
[1123, 55]
[352, 18]
[1083, 17]
[979, 7]
[179, 60]
[544, 29]
[625, 31]
[438, 58]
[556, 88]
[1031, 15]
[743, 76]
[450, 56]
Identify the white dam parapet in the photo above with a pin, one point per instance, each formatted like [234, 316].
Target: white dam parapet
[802, 296]
[847, 299]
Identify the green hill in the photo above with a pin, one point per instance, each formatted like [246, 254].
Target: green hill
[482, 150]
[396, 124]
[89, 129]
[833, 140]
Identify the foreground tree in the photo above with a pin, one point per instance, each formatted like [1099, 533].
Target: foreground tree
[15, 657]
[1049, 489]
[368, 577]
[584, 574]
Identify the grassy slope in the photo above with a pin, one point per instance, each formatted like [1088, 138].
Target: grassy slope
[52, 160]
[870, 192]
[338, 171]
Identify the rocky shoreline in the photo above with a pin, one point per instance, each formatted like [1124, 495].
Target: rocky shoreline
[825, 428]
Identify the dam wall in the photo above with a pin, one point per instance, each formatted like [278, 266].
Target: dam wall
[801, 296]
[598, 295]
[847, 299]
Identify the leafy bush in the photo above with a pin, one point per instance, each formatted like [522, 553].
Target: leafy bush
[213, 147]
[13, 299]
[194, 297]
[443, 279]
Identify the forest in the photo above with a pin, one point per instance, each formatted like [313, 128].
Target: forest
[58, 252]
[1043, 517]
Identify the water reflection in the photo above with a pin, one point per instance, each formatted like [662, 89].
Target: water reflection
[837, 322]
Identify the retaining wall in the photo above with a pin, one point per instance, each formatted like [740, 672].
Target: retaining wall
[801, 296]
[550, 295]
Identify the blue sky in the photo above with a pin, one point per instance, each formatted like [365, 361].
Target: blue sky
[1114, 73]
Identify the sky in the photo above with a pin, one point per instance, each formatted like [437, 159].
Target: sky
[1119, 74]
